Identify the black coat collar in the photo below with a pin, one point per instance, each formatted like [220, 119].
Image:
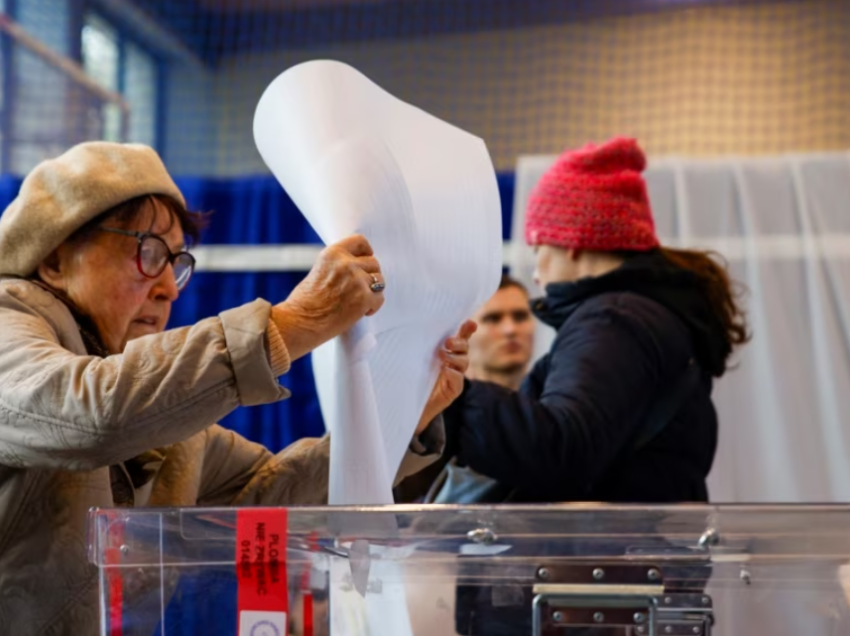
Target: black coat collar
[650, 275]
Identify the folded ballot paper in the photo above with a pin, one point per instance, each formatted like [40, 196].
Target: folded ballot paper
[355, 159]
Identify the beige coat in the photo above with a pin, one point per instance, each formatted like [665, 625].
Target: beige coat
[66, 417]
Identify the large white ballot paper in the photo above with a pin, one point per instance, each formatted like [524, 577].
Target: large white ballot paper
[355, 159]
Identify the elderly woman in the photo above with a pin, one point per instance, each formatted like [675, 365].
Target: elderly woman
[100, 406]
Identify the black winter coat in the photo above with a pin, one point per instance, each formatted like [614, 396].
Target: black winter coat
[572, 431]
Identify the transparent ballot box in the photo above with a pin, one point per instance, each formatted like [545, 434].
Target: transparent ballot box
[558, 570]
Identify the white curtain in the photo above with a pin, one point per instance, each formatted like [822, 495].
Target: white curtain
[783, 223]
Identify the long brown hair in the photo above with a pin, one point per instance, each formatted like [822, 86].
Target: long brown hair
[723, 294]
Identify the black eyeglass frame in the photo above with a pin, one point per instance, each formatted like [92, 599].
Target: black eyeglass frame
[141, 237]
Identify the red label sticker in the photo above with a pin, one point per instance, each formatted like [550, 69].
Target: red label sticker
[115, 584]
[261, 560]
[308, 614]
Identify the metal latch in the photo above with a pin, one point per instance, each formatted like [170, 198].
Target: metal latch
[631, 598]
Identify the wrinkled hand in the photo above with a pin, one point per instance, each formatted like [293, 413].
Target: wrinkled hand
[455, 359]
[334, 295]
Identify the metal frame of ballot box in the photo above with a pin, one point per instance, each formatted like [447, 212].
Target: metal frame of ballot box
[551, 570]
[632, 597]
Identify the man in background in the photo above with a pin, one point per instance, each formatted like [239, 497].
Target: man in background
[499, 352]
[501, 348]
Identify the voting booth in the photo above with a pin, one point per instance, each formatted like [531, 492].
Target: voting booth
[555, 570]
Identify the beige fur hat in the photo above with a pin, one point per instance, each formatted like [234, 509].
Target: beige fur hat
[61, 195]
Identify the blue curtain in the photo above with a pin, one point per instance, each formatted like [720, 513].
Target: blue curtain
[9, 186]
[252, 211]
[273, 425]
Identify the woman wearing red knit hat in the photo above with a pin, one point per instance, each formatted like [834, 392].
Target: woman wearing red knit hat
[620, 409]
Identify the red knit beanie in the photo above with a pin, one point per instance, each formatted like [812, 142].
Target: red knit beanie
[593, 199]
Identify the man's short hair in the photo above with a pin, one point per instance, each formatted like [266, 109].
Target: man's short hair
[508, 281]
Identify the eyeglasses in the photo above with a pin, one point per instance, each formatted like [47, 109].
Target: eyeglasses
[153, 255]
